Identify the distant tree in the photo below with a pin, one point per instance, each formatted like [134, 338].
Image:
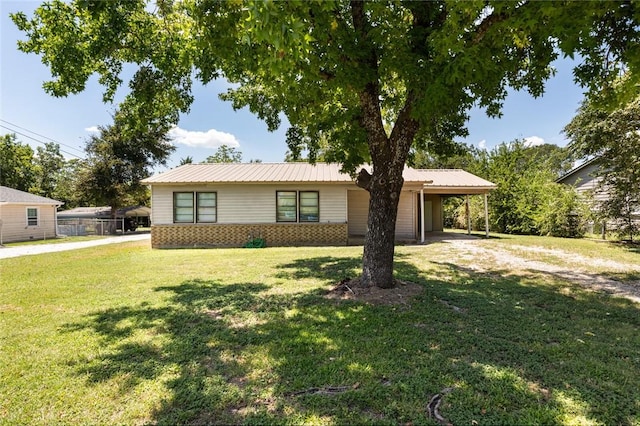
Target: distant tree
[456, 156]
[612, 137]
[68, 188]
[118, 158]
[559, 160]
[522, 174]
[186, 160]
[562, 212]
[225, 154]
[48, 166]
[316, 149]
[16, 163]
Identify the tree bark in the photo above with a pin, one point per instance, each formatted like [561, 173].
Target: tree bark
[388, 157]
[379, 246]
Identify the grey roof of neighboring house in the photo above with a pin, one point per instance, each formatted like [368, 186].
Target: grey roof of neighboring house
[576, 169]
[303, 173]
[15, 196]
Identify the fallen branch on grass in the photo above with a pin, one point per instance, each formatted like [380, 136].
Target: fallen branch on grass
[325, 390]
[433, 408]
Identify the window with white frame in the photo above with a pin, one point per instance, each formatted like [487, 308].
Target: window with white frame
[297, 206]
[195, 207]
[32, 216]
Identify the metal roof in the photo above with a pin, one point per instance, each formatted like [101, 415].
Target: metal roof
[104, 212]
[251, 172]
[566, 176]
[15, 196]
[304, 173]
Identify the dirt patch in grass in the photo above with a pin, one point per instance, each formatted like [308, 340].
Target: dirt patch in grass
[485, 258]
[352, 289]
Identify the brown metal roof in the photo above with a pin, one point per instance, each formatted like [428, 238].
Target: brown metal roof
[251, 173]
[304, 173]
[445, 178]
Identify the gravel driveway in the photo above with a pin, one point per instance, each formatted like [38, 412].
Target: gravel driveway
[26, 250]
[483, 256]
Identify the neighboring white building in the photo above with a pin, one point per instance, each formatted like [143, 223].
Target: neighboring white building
[289, 204]
[585, 180]
[25, 216]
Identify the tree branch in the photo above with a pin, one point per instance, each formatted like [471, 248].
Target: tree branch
[491, 20]
[363, 180]
[370, 93]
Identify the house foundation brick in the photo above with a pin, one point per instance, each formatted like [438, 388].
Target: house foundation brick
[237, 235]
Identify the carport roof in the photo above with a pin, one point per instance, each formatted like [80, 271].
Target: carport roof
[104, 212]
[271, 173]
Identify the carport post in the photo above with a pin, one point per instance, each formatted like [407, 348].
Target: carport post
[468, 211]
[486, 214]
[421, 215]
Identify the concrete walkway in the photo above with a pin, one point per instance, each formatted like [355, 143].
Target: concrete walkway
[26, 250]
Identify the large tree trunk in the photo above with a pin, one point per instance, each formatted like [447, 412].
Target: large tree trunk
[379, 245]
[388, 156]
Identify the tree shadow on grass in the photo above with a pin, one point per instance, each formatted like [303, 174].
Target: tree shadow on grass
[515, 351]
[333, 269]
[545, 349]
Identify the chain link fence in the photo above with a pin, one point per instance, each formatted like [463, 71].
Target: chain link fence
[80, 227]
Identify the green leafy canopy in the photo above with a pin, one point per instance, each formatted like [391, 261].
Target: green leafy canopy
[313, 61]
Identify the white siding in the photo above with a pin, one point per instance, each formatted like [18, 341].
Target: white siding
[359, 211]
[586, 183]
[405, 222]
[239, 204]
[14, 223]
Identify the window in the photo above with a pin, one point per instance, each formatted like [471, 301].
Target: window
[199, 205]
[183, 207]
[206, 204]
[309, 208]
[32, 216]
[286, 206]
[293, 206]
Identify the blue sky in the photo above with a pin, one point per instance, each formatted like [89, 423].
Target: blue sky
[25, 108]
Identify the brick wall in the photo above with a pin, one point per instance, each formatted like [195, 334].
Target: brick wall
[237, 235]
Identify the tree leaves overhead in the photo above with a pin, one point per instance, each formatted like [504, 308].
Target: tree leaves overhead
[311, 60]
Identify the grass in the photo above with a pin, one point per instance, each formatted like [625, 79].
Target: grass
[123, 334]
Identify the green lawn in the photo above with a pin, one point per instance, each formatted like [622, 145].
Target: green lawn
[123, 334]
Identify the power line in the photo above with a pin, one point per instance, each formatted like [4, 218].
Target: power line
[39, 141]
[37, 134]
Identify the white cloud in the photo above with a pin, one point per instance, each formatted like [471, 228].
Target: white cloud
[482, 144]
[210, 139]
[92, 129]
[534, 141]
